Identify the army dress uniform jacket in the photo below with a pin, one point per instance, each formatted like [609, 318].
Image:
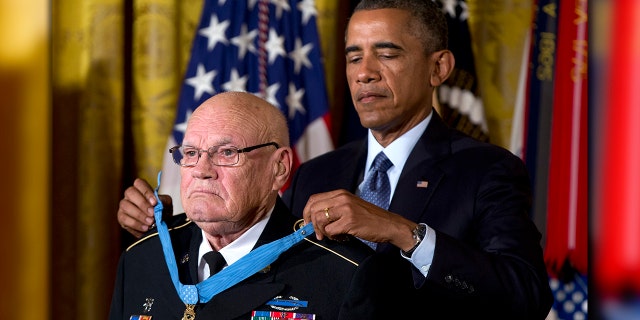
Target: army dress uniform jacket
[476, 196]
[327, 275]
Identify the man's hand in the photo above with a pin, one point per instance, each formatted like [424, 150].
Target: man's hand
[135, 213]
[341, 212]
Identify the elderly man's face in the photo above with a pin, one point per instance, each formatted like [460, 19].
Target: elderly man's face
[225, 199]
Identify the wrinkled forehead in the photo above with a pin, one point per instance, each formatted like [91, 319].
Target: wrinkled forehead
[220, 125]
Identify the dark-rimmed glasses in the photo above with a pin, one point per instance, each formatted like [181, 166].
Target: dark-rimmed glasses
[225, 156]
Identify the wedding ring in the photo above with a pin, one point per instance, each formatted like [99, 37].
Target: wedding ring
[326, 214]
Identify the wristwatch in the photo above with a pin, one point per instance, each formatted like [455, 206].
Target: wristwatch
[419, 233]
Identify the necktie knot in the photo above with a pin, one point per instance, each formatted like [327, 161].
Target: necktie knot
[381, 163]
[215, 260]
[378, 182]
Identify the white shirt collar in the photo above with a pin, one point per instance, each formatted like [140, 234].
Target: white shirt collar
[235, 250]
[398, 151]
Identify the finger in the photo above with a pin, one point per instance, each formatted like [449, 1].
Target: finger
[141, 203]
[306, 212]
[131, 219]
[316, 226]
[132, 216]
[317, 209]
[316, 202]
[145, 190]
[323, 219]
[314, 214]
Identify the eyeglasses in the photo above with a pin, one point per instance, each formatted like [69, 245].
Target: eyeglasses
[225, 156]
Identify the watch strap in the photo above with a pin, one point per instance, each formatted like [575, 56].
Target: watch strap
[419, 232]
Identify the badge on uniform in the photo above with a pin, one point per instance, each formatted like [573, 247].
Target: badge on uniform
[291, 304]
[285, 308]
[269, 315]
[148, 303]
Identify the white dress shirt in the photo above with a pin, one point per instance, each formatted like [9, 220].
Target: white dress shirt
[233, 251]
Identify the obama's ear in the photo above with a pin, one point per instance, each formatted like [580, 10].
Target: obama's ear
[444, 62]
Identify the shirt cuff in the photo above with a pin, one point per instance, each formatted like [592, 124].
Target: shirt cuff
[422, 257]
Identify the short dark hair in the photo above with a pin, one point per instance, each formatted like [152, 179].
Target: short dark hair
[431, 23]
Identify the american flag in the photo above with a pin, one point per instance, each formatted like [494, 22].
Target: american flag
[269, 48]
[570, 297]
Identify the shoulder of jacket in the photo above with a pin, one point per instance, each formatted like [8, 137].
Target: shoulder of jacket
[348, 150]
[174, 223]
[348, 249]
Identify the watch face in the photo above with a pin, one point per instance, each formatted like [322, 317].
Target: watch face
[419, 232]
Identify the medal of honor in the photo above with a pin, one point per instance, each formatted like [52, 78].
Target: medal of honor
[189, 313]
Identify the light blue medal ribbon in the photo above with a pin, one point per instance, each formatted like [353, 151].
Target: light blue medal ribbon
[246, 266]
[254, 261]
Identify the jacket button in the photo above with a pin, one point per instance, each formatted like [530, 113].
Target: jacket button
[471, 289]
[448, 278]
[464, 285]
[457, 282]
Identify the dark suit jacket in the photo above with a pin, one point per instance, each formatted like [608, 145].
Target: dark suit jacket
[488, 259]
[324, 274]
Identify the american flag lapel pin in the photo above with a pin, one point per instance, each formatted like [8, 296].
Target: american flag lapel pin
[422, 184]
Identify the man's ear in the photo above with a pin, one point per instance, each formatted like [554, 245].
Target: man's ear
[282, 167]
[444, 62]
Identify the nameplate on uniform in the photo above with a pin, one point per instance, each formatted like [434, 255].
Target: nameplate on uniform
[272, 315]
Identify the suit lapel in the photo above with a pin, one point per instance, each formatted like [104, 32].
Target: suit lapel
[353, 172]
[349, 171]
[421, 174]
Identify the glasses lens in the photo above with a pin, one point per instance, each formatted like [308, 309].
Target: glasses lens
[189, 156]
[224, 156]
[218, 155]
[185, 156]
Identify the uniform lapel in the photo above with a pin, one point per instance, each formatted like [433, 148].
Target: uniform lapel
[280, 224]
[185, 246]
